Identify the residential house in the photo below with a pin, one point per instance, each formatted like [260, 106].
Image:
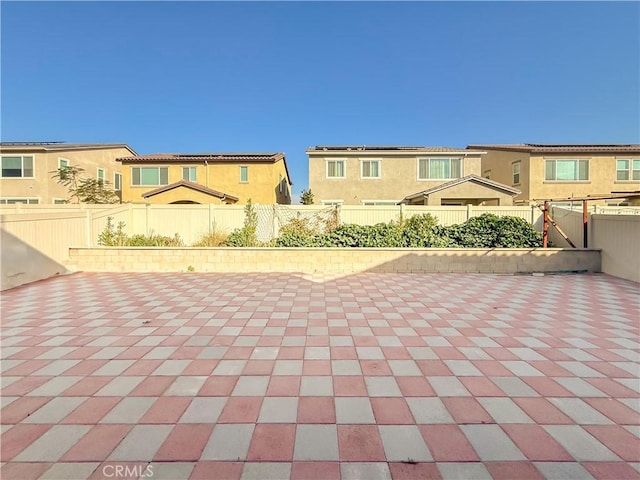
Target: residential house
[389, 175]
[542, 171]
[28, 168]
[221, 178]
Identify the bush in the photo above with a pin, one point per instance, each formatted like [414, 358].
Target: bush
[491, 231]
[424, 231]
[118, 238]
[212, 239]
[245, 236]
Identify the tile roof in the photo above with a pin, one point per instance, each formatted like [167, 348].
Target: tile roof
[469, 178]
[60, 146]
[556, 148]
[244, 157]
[192, 186]
[381, 148]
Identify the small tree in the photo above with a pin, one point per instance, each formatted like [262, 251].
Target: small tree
[84, 190]
[306, 197]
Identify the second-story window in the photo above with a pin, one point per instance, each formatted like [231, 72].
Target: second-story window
[149, 176]
[117, 181]
[189, 174]
[515, 169]
[335, 169]
[628, 169]
[370, 169]
[439, 168]
[244, 174]
[17, 167]
[100, 175]
[63, 163]
[566, 170]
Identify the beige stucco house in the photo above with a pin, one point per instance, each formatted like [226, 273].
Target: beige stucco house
[388, 175]
[543, 171]
[27, 168]
[219, 178]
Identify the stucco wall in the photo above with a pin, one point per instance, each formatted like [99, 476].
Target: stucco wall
[398, 177]
[499, 164]
[262, 186]
[470, 192]
[44, 187]
[332, 260]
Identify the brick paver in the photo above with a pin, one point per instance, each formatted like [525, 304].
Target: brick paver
[390, 376]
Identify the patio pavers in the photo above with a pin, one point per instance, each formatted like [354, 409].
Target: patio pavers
[390, 376]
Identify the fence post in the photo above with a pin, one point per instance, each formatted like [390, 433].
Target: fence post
[146, 218]
[211, 214]
[533, 214]
[401, 212]
[468, 211]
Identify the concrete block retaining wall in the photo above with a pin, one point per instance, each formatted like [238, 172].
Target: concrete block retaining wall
[333, 260]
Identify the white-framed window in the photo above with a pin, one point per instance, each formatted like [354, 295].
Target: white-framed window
[331, 202]
[515, 170]
[379, 202]
[244, 174]
[335, 168]
[100, 175]
[370, 168]
[149, 176]
[16, 200]
[17, 166]
[487, 174]
[59, 201]
[190, 174]
[280, 183]
[438, 168]
[628, 169]
[63, 163]
[566, 170]
[117, 181]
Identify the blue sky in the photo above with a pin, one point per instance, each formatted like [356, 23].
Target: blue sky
[268, 76]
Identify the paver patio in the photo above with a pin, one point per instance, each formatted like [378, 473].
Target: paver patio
[369, 376]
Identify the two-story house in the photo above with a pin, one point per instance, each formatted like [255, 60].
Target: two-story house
[542, 171]
[28, 168]
[206, 178]
[388, 175]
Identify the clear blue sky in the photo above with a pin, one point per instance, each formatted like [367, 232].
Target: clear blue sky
[220, 76]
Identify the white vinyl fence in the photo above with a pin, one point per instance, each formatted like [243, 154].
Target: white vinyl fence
[82, 224]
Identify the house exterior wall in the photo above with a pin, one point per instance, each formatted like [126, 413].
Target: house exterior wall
[470, 193]
[398, 176]
[182, 194]
[602, 174]
[499, 165]
[43, 186]
[262, 185]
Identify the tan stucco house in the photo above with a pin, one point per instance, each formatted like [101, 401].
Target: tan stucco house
[389, 175]
[27, 168]
[543, 171]
[219, 178]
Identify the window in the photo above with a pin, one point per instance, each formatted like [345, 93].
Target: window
[59, 201]
[331, 202]
[189, 174]
[280, 185]
[335, 169]
[487, 174]
[149, 176]
[13, 201]
[101, 174]
[17, 167]
[370, 169]
[244, 174]
[439, 168]
[515, 169]
[566, 170]
[63, 163]
[117, 181]
[628, 169]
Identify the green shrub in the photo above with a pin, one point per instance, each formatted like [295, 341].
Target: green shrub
[112, 238]
[117, 238]
[423, 231]
[491, 231]
[245, 236]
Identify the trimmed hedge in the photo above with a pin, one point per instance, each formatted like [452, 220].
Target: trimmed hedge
[484, 231]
